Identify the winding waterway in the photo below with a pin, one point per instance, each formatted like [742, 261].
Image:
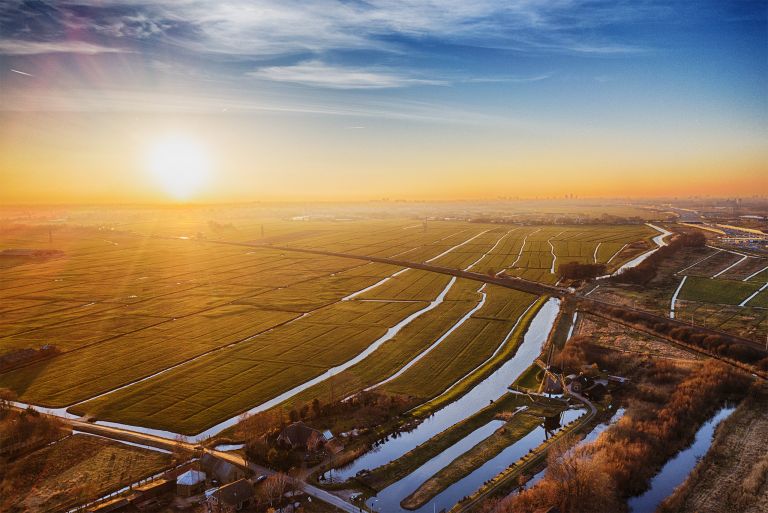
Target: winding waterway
[677, 469]
[388, 500]
[490, 389]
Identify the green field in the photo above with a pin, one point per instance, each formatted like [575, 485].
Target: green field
[760, 300]
[201, 331]
[719, 291]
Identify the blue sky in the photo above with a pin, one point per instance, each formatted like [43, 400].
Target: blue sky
[529, 70]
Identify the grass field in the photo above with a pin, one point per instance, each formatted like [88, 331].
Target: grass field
[206, 330]
[466, 348]
[726, 292]
[531, 378]
[73, 471]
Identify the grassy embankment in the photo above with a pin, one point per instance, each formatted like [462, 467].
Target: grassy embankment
[380, 478]
[519, 425]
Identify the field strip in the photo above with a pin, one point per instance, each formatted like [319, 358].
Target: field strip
[371, 287]
[456, 246]
[758, 291]
[717, 250]
[520, 254]
[450, 330]
[470, 266]
[391, 333]
[185, 362]
[674, 297]
[594, 257]
[422, 246]
[437, 342]
[401, 271]
[755, 273]
[743, 257]
[552, 250]
[490, 358]
[619, 251]
[125, 442]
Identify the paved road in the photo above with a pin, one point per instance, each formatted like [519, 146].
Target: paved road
[314, 491]
[160, 442]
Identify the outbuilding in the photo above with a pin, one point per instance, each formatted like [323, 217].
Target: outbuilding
[234, 496]
[191, 482]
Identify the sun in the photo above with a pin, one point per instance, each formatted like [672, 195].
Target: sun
[179, 165]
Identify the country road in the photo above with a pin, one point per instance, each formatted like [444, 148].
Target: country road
[127, 435]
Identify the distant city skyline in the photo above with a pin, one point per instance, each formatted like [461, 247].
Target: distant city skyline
[207, 101]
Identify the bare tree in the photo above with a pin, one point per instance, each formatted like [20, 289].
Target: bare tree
[275, 486]
[6, 397]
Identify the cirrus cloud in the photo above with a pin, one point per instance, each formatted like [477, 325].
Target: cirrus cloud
[319, 74]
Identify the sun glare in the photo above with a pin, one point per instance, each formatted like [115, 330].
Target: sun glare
[180, 166]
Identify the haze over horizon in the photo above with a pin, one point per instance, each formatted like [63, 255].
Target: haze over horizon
[205, 101]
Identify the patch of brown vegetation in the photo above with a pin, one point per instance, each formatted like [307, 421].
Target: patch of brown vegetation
[666, 401]
[734, 471]
[72, 471]
[619, 338]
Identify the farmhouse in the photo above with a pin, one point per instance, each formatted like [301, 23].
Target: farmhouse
[300, 436]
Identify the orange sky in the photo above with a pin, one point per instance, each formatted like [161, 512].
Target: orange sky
[216, 101]
[79, 157]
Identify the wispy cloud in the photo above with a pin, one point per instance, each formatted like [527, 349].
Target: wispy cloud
[279, 27]
[20, 47]
[511, 80]
[319, 74]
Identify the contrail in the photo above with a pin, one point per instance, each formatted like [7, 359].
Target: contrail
[22, 73]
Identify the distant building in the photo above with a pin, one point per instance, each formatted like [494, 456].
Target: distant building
[579, 383]
[300, 436]
[233, 496]
[221, 471]
[191, 482]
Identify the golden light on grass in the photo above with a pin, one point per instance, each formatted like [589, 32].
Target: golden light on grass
[179, 165]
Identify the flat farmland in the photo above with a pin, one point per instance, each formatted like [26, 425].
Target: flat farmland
[719, 291]
[469, 346]
[714, 264]
[248, 374]
[411, 285]
[751, 269]
[526, 251]
[760, 300]
[73, 471]
[182, 333]
[748, 321]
